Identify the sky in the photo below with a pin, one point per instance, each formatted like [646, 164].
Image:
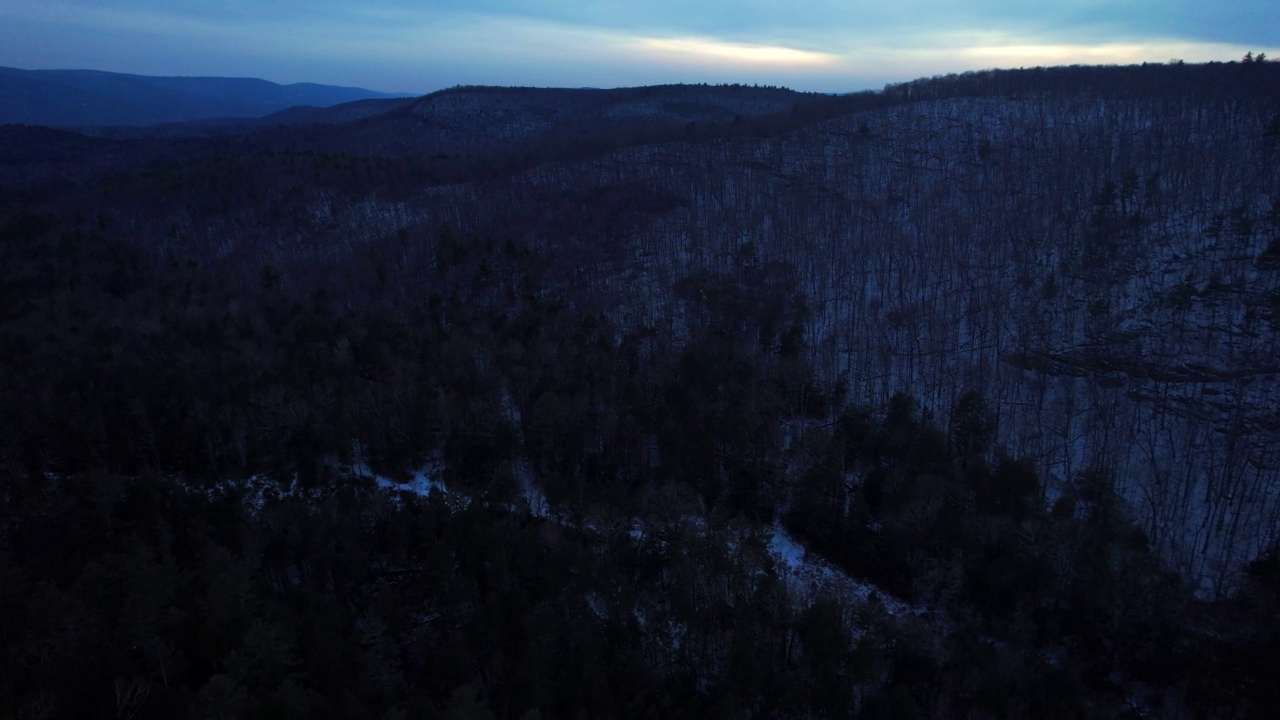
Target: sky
[423, 45]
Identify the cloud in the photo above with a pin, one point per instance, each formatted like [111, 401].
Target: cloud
[710, 51]
[809, 44]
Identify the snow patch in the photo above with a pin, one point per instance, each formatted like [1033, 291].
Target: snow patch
[423, 482]
[809, 576]
[533, 495]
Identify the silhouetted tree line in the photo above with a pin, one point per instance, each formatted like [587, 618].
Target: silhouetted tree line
[1213, 79]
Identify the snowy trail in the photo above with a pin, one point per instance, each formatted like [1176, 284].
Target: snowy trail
[806, 574]
[809, 576]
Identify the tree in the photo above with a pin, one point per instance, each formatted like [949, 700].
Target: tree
[972, 428]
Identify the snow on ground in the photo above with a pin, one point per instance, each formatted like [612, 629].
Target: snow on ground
[597, 606]
[423, 482]
[427, 481]
[256, 489]
[808, 576]
[533, 495]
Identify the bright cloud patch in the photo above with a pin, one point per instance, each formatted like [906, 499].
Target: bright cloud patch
[697, 50]
[1119, 53]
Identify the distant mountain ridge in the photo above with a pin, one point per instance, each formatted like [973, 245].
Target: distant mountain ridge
[68, 98]
[487, 119]
[482, 119]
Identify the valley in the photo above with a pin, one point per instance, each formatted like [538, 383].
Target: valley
[956, 399]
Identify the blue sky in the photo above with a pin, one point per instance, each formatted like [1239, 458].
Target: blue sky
[824, 45]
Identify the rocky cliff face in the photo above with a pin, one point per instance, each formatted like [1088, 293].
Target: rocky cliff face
[1097, 269]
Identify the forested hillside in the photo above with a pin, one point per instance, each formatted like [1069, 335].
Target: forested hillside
[953, 400]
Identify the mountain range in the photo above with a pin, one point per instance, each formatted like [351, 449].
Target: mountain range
[66, 98]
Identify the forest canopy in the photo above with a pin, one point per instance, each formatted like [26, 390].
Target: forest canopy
[288, 432]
